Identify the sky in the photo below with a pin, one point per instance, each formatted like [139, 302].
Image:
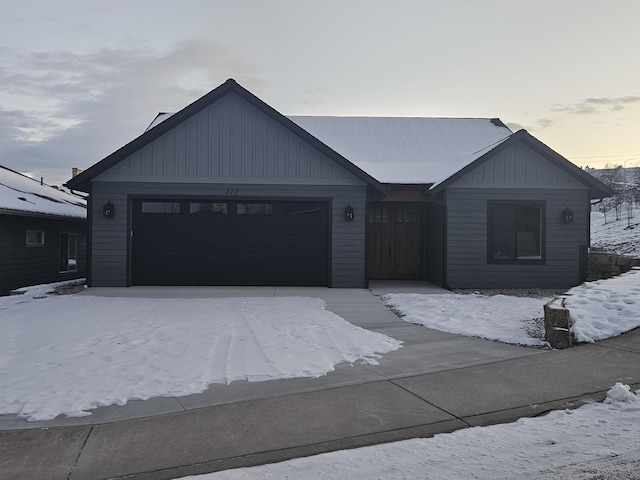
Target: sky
[81, 78]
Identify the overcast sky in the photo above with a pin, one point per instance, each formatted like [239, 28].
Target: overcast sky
[80, 78]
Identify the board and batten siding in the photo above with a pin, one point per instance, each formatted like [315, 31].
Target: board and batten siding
[517, 173]
[231, 141]
[230, 147]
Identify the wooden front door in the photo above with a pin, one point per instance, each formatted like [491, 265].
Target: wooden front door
[394, 241]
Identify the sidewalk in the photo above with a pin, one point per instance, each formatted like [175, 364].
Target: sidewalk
[437, 383]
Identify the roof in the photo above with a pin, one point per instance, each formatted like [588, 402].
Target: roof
[597, 189]
[22, 195]
[378, 150]
[407, 150]
[161, 117]
[163, 123]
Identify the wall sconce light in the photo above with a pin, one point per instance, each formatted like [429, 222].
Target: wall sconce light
[348, 213]
[567, 215]
[108, 210]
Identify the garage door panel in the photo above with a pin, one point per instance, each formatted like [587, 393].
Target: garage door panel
[230, 243]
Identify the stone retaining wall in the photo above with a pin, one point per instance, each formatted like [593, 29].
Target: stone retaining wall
[607, 265]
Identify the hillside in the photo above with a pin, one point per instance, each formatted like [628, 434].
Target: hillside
[617, 236]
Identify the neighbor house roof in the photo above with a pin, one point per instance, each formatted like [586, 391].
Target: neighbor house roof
[22, 195]
[407, 150]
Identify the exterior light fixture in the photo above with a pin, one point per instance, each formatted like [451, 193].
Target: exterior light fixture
[567, 215]
[348, 213]
[108, 210]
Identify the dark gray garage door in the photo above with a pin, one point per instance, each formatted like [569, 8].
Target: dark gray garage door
[205, 242]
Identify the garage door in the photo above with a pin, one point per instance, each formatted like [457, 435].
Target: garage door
[205, 242]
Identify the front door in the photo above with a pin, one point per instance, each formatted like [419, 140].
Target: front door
[394, 241]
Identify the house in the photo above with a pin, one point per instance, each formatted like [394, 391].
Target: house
[228, 191]
[42, 233]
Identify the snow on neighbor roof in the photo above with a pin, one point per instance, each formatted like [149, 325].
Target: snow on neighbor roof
[407, 150]
[23, 195]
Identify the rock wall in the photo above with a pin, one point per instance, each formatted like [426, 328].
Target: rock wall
[607, 265]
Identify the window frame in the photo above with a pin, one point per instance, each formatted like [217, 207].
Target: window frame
[41, 243]
[68, 257]
[514, 260]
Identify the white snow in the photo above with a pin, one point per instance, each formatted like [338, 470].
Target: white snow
[605, 308]
[85, 351]
[529, 448]
[403, 149]
[21, 194]
[499, 317]
[161, 117]
[617, 236]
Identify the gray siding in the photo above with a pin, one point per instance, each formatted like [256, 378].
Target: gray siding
[230, 141]
[110, 242]
[22, 265]
[229, 146]
[515, 174]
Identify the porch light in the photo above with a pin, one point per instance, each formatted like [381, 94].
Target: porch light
[567, 215]
[348, 213]
[108, 210]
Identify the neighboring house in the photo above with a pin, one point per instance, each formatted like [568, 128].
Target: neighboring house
[230, 192]
[42, 233]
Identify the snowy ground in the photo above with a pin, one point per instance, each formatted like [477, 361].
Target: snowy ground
[86, 352]
[499, 317]
[599, 310]
[605, 308]
[562, 444]
[72, 353]
[617, 236]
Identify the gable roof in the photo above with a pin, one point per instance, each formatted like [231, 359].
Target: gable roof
[597, 189]
[377, 150]
[22, 195]
[168, 122]
[405, 150]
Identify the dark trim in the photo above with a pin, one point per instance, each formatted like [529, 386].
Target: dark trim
[445, 246]
[542, 204]
[329, 201]
[82, 180]
[597, 189]
[89, 242]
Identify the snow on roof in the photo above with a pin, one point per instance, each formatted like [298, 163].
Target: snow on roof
[161, 117]
[20, 194]
[407, 150]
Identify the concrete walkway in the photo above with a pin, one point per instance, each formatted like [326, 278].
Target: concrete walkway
[438, 382]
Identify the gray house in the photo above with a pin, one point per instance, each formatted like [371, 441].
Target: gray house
[42, 233]
[230, 192]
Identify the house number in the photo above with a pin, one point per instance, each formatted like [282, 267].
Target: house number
[231, 192]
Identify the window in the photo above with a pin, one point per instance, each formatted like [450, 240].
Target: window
[35, 238]
[254, 209]
[208, 207]
[378, 214]
[515, 232]
[160, 207]
[68, 252]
